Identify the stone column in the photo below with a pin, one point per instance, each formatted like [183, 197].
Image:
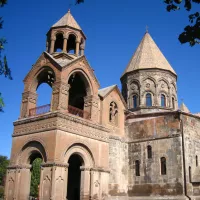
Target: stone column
[29, 100]
[85, 183]
[65, 45]
[60, 96]
[156, 97]
[77, 47]
[82, 48]
[47, 46]
[91, 106]
[53, 40]
[53, 181]
[99, 183]
[18, 183]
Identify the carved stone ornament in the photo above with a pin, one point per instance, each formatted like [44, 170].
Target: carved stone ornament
[148, 85]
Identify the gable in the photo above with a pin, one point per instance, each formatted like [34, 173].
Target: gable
[105, 92]
[44, 60]
[82, 63]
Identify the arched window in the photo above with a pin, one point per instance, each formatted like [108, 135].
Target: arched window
[190, 178]
[173, 103]
[113, 114]
[149, 151]
[137, 168]
[59, 43]
[197, 161]
[43, 87]
[163, 100]
[71, 44]
[135, 101]
[163, 166]
[148, 100]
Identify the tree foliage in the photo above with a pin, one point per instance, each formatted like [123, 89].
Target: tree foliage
[35, 177]
[4, 69]
[4, 162]
[191, 33]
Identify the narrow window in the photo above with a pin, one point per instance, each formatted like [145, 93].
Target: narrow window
[135, 99]
[148, 100]
[149, 151]
[137, 168]
[113, 114]
[197, 161]
[190, 174]
[173, 103]
[163, 100]
[163, 166]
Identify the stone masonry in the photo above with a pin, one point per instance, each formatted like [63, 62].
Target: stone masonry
[103, 144]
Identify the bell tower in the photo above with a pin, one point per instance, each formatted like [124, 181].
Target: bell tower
[65, 135]
[66, 36]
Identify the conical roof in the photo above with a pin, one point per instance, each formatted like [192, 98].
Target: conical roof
[184, 108]
[67, 20]
[148, 56]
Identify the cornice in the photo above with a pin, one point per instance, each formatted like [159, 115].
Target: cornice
[59, 121]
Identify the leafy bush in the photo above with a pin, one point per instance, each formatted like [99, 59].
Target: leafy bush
[1, 192]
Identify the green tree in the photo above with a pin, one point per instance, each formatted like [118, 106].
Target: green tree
[4, 69]
[35, 177]
[4, 162]
[191, 33]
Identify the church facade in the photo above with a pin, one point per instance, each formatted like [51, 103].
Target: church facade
[102, 143]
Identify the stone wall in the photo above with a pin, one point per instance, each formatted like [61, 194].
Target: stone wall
[163, 134]
[191, 132]
[118, 164]
[155, 82]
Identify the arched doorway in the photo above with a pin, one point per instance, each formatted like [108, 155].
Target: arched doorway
[32, 155]
[74, 177]
[35, 161]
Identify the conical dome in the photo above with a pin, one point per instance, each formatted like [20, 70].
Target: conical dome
[67, 20]
[148, 56]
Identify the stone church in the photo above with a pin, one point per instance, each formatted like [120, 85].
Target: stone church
[102, 143]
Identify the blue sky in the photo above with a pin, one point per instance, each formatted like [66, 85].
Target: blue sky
[113, 28]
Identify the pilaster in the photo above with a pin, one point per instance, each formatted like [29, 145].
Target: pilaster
[91, 105]
[29, 100]
[60, 96]
[53, 181]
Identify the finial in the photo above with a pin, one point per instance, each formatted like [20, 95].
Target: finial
[69, 10]
[147, 29]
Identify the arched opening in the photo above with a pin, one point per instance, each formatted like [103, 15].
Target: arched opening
[148, 100]
[190, 175]
[59, 43]
[173, 103]
[149, 151]
[74, 177]
[163, 166]
[77, 91]
[137, 168]
[113, 113]
[35, 161]
[163, 100]
[44, 92]
[43, 86]
[135, 101]
[71, 44]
